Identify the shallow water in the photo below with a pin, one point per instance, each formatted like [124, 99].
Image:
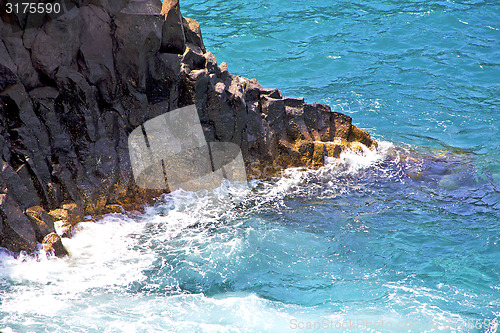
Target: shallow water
[405, 239]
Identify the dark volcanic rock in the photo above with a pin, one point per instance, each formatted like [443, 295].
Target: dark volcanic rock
[15, 183]
[7, 70]
[14, 52]
[57, 43]
[73, 88]
[17, 232]
[173, 38]
[192, 31]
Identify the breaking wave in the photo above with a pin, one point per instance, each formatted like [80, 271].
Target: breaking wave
[328, 246]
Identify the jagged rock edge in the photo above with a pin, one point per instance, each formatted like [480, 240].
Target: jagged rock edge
[68, 105]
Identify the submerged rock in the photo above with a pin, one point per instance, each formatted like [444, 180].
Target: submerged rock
[73, 88]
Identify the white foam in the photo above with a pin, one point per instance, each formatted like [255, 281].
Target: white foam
[325, 180]
[114, 253]
[102, 256]
[355, 161]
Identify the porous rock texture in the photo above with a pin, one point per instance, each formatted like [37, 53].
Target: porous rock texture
[73, 87]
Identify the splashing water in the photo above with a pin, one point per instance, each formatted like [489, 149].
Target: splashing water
[339, 245]
[403, 239]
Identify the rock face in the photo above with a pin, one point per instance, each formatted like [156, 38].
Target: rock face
[73, 88]
[16, 231]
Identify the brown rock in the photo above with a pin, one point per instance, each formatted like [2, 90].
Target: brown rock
[364, 137]
[341, 125]
[59, 214]
[252, 90]
[289, 154]
[317, 119]
[223, 68]
[52, 244]
[42, 222]
[333, 149]
[306, 150]
[355, 146]
[65, 229]
[74, 213]
[113, 7]
[109, 209]
[292, 129]
[96, 205]
[318, 158]
[18, 108]
[296, 126]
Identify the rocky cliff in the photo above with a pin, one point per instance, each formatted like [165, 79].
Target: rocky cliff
[73, 87]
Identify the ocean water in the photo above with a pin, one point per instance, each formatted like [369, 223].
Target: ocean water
[405, 239]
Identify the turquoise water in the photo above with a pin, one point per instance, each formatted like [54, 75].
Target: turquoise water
[419, 72]
[372, 243]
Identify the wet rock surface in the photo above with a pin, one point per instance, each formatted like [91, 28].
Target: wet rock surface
[74, 87]
[52, 244]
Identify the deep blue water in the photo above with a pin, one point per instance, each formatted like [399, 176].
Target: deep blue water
[405, 239]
